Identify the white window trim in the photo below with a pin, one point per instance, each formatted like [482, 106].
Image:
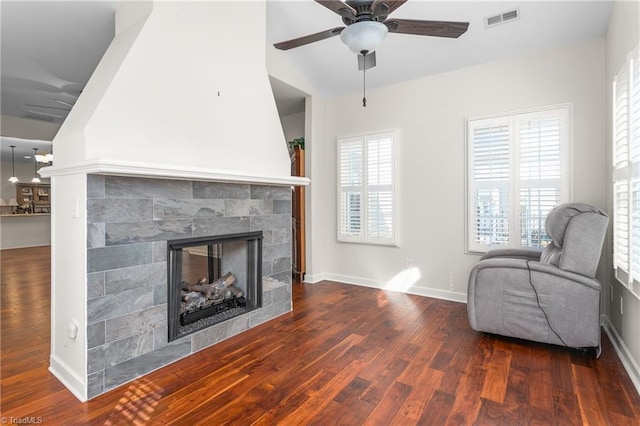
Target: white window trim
[514, 215]
[365, 239]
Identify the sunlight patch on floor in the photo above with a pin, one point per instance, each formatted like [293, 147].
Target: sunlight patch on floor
[403, 280]
[137, 404]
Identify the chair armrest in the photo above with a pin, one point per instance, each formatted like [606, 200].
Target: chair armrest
[537, 267]
[513, 253]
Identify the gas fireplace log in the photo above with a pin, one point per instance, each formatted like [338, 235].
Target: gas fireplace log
[192, 295]
[216, 286]
[236, 291]
[227, 279]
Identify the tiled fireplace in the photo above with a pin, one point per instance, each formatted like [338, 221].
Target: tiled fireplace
[129, 221]
[148, 174]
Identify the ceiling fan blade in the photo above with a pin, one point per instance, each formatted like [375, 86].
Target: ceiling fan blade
[427, 28]
[382, 8]
[301, 41]
[48, 107]
[338, 7]
[391, 5]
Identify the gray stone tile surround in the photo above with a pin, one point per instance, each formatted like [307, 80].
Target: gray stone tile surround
[129, 220]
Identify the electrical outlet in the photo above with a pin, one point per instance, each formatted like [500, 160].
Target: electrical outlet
[611, 292]
[408, 262]
[75, 210]
[451, 280]
[72, 330]
[621, 305]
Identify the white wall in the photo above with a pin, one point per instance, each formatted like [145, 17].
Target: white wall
[69, 282]
[430, 114]
[622, 34]
[187, 87]
[293, 126]
[18, 231]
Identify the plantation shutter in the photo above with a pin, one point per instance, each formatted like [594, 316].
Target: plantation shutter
[621, 175]
[366, 189]
[626, 172]
[380, 194]
[541, 140]
[489, 186]
[351, 194]
[634, 118]
[634, 154]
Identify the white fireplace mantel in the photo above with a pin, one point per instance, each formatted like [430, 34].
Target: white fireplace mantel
[165, 171]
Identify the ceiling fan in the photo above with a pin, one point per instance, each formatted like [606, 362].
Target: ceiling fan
[367, 24]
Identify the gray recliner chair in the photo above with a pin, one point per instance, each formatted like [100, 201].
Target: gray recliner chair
[549, 295]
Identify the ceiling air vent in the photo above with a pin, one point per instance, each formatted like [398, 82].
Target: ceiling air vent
[501, 18]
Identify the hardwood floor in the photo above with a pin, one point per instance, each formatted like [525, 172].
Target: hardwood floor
[345, 355]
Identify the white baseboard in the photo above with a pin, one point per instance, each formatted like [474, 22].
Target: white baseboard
[435, 293]
[366, 282]
[629, 363]
[70, 379]
[312, 279]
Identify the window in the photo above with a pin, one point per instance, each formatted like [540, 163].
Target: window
[366, 188]
[517, 171]
[626, 174]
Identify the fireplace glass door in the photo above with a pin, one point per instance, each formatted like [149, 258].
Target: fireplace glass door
[212, 279]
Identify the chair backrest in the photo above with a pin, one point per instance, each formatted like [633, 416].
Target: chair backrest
[577, 231]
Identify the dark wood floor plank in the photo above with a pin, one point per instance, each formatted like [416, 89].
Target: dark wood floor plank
[318, 402]
[345, 355]
[437, 409]
[414, 373]
[383, 377]
[590, 408]
[353, 391]
[466, 405]
[541, 388]
[495, 384]
[423, 387]
[391, 401]
[495, 413]
[356, 414]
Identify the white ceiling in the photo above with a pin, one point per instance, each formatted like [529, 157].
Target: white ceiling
[49, 51]
[331, 67]
[49, 48]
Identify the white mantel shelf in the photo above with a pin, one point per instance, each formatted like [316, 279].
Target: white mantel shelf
[164, 171]
[25, 215]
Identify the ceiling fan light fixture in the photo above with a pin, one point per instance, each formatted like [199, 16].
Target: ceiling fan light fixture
[364, 36]
[44, 158]
[35, 179]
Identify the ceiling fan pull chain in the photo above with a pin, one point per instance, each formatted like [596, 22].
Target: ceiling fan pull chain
[364, 88]
[364, 78]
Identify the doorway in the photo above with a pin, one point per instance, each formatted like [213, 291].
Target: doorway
[290, 103]
[298, 252]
